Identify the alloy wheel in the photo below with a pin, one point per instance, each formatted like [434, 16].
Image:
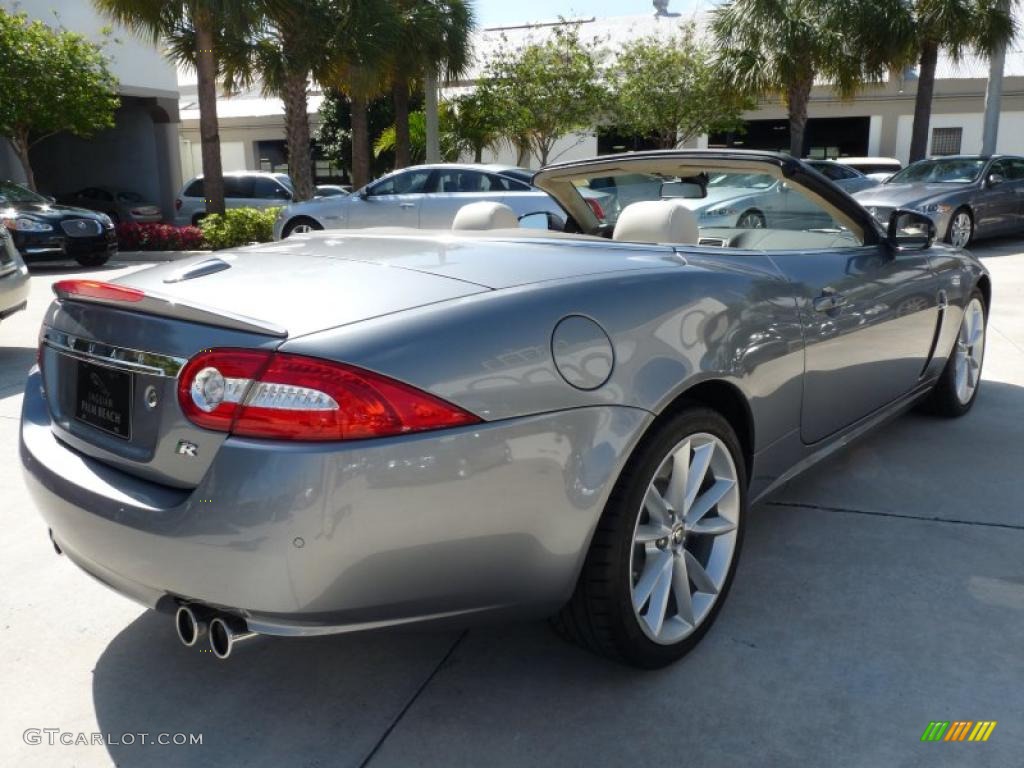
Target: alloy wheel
[299, 229]
[685, 538]
[961, 229]
[970, 350]
[751, 220]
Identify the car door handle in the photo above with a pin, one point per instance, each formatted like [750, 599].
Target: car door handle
[407, 205]
[829, 301]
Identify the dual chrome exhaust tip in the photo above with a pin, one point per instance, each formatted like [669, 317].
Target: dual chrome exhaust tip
[192, 623]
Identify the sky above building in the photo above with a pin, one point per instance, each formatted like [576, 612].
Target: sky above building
[494, 13]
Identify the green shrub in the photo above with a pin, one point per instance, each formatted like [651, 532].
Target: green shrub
[239, 226]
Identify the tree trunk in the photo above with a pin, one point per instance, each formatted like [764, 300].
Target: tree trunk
[923, 101]
[296, 131]
[478, 153]
[797, 97]
[206, 85]
[360, 142]
[430, 108]
[403, 149]
[21, 146]
[522, 153]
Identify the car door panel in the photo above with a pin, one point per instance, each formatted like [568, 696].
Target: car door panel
[394, 201]
[995, 208]
[869, 320]
[455, 187]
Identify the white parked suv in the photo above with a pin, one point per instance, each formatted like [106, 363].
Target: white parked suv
[242, 189]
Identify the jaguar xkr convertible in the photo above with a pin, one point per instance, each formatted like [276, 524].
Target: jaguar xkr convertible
[372, 428]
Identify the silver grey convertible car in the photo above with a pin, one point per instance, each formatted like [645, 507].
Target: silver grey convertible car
[967, 196]
[361, 429]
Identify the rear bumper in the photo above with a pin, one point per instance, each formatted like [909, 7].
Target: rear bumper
[314, 539]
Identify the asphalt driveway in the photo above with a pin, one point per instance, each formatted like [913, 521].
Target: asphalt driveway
[879, 592]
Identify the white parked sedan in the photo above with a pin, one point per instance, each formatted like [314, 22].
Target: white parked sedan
[421, 196]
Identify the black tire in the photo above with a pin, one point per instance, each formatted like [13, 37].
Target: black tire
[299, 221]
[944, 400]
[949, 230]
[600, 615]
[197, 219]
[755, 220]
[93, 259]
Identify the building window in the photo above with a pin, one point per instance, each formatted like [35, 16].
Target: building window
[946, 141]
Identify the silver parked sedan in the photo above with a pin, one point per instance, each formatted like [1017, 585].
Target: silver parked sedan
[422, 196]
[967, 196]
[352, 430]
[14, 278]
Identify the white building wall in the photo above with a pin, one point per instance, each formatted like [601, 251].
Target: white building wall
[139, 66]
[232, 158]
[1011, 132]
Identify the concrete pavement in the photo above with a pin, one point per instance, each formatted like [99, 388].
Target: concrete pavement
[880, 591]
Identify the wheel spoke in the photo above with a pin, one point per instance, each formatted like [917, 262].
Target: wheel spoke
[707, 500]
[713, 527]
[655, 615]
[677, 482]
[698, 469]
[975, 336]
[651, 532]
[698, 575]
[681, 589]
[972, 372]
[653, 569]
[656, 507]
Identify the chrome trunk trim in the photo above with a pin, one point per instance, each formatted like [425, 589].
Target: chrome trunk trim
[133, 360]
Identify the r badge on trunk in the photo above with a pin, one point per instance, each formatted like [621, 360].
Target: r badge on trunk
[185, 448]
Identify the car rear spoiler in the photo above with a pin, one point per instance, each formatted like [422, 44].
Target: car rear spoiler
[134, 300]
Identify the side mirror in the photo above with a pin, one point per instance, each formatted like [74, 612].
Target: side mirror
[783, 187]
[910, 231]
[542, 220]
[995, 179]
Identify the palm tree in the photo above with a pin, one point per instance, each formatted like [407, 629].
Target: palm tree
[956, 26]
[769, 47]
[193, 30]
[281, 54]
[433, 36]
[363, 37]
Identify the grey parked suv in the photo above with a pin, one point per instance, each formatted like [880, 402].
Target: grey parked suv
[242, 189]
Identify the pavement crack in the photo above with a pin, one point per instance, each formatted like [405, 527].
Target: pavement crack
[1013, 343]
[412, 700]
[870, 513]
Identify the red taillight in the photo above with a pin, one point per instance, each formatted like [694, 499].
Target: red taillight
[94, 289]
[595, 207]
[212, 385]
[177, 203]
[291, 397]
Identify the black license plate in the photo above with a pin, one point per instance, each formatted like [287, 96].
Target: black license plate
[103, 399]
